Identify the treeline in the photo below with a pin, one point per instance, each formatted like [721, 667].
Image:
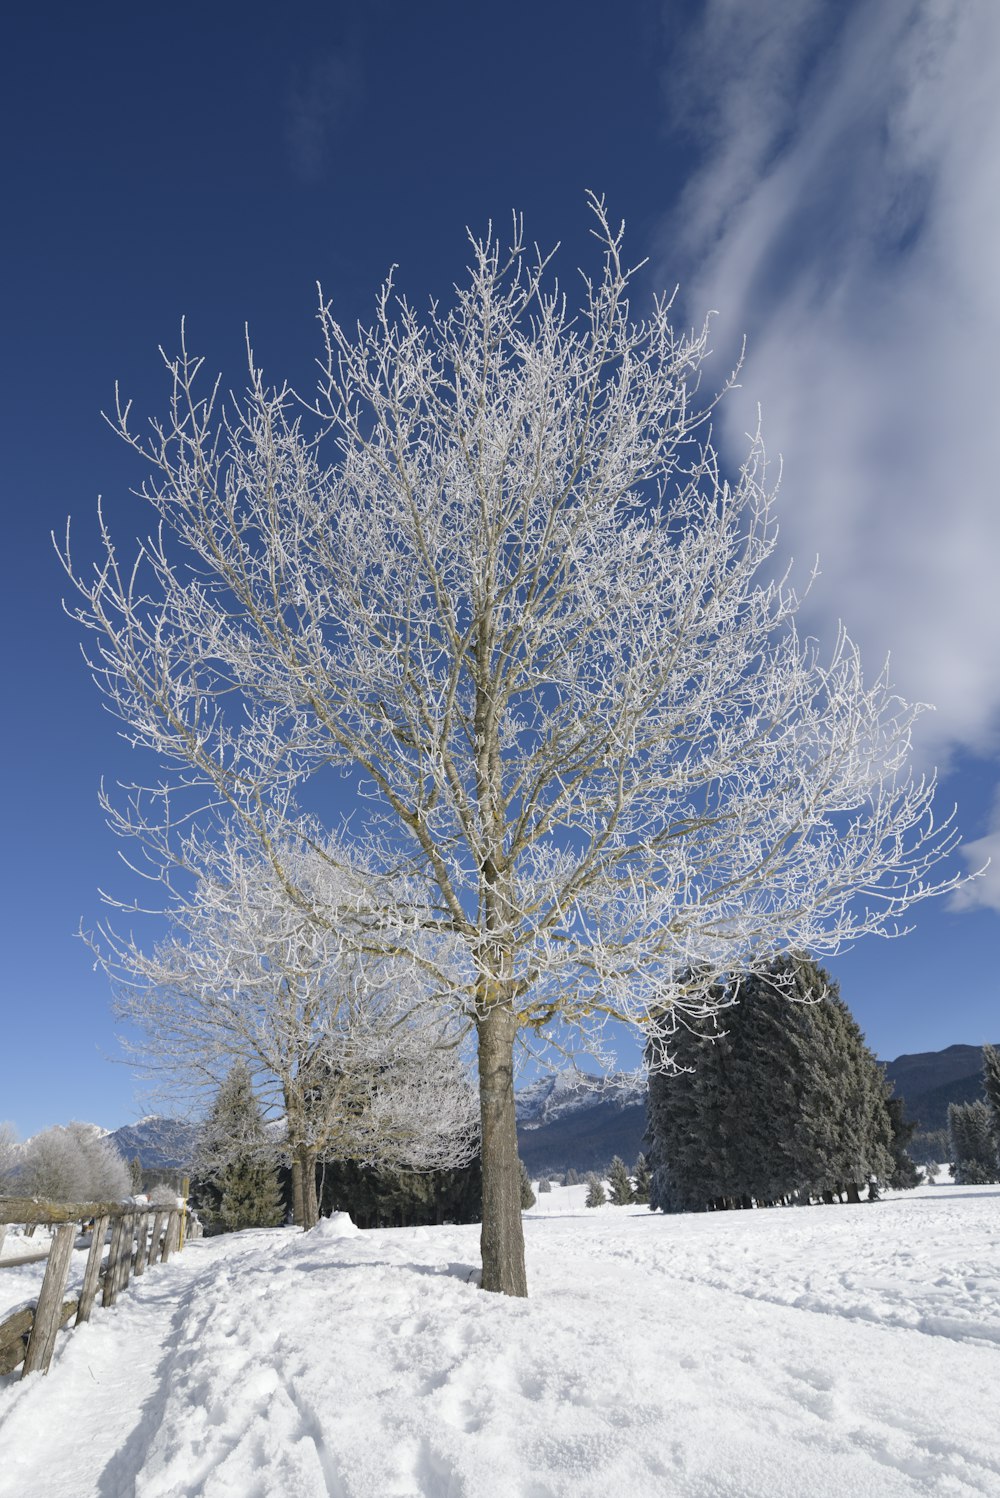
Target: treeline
[777, 1099]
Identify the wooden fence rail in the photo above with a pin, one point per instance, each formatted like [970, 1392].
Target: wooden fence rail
[140, 1237]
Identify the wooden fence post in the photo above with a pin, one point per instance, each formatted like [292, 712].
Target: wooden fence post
[155, 1251]
[125, 1261]
[48, 1312]
[141, 1242]
[111, 1268]
[92, 1273]
[170, 1236]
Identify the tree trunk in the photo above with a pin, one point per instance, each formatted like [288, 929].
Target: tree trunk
[853, 1195]
[502, 1239]
[297, 1214]
[307, 1172]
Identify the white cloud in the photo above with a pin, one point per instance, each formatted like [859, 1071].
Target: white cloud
[319, 100]
[845, 216]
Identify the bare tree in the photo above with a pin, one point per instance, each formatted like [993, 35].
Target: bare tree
[10, 1153]
[500, 576]
[290, 976]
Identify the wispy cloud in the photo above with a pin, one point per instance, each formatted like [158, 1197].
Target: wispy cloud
[321, 97]
[845, 216]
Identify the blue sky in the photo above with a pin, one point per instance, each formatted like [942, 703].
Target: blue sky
[822, 176]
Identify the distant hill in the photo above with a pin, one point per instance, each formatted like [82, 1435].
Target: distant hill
[568, 1121]
[929, 1080]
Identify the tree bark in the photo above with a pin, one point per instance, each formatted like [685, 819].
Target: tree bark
[307, 1174]
[502, 1238]
[297, 1212]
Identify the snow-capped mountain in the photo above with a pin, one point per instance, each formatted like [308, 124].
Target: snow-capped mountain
[564, 1093]
[161, 1143]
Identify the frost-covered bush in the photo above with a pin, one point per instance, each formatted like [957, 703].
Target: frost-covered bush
[75, 1163]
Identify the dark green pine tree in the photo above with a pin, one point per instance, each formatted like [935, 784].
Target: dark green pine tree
[778, 1097]
[973, 1144]
[690, 1150]
[620, 1183]
[235, 1154]
[641, 1177]
[596, 1195]
[991, 1085]
[905, 1174]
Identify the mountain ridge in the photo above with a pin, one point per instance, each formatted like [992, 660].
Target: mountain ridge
[573, 1120]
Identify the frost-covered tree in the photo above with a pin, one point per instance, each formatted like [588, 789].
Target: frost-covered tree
[9, 1156]
[74, 1163]
[528, 1197]
[619, 1183]
[596, 1194]
[991, 1085]
[973, 1144]
[235, 1153]
[544, 1186]
[497, 573]
[339, 1037]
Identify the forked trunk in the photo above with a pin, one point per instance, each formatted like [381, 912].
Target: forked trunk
[502, 1239]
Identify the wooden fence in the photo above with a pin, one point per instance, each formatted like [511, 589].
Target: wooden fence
[140, 1237]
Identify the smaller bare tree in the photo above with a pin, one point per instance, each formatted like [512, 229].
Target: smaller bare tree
[286, 963]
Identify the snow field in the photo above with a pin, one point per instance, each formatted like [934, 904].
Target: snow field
[811, 1353]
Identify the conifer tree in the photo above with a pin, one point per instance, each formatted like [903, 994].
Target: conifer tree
[904, 1175]
[572, 1177]
[544, 1185]
[991, 1085]
[778, 1096]
[973, 1145]
[527, 1194]
[622, 1194]
[234, 1153]
[135, 1174]
[596, 1195]
[641, 1177]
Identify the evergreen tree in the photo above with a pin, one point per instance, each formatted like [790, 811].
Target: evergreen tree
[234, 1153]
[544, 1185]
[596, 1195]
[641, 1177]
[685, 1128]
[572, 1177]
[622, 1194]
[776, 1098]
[991, 1085]
[904, 1175]
[135, 1174]
[527, 1194]
[973, 1145]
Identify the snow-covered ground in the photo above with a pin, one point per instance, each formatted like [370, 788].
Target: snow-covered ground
[841, 1352]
